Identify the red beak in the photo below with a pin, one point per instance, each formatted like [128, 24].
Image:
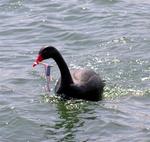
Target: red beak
[38, 60]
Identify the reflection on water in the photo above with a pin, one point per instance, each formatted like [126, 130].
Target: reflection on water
[69, 118]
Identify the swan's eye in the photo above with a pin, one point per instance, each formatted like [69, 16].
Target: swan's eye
[41, 50]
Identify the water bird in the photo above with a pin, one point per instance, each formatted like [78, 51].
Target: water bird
[79, 83]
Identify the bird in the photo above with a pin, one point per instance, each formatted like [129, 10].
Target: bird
[83, 83]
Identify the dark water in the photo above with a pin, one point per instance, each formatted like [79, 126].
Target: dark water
[111, 37]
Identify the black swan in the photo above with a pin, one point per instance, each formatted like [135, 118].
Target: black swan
[80, 83]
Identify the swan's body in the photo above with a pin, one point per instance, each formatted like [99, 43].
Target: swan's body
[86, 85]
[80, 84]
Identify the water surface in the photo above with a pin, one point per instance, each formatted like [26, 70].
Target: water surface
[110, 37]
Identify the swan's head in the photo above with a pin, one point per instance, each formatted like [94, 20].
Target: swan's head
[44, 53]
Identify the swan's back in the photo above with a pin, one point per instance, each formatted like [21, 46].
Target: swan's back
[83, 76]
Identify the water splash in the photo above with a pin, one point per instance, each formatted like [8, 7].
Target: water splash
[69, 104]
[117, 92]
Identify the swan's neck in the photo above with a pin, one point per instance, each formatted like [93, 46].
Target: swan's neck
[66, 78]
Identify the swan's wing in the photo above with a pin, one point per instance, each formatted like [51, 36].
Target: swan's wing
[82, 76]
